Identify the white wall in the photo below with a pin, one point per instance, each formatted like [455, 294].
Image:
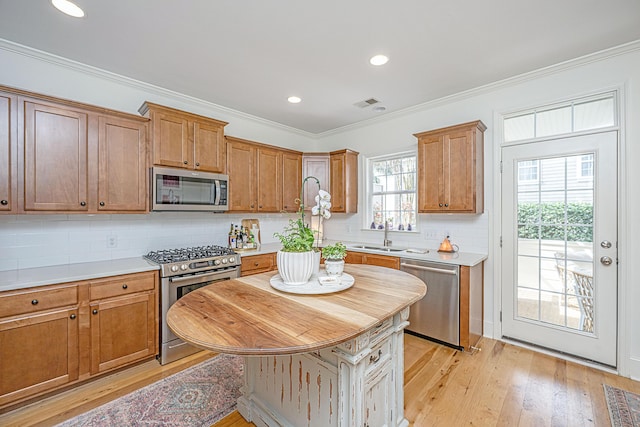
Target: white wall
[599, 73]
[51, 237]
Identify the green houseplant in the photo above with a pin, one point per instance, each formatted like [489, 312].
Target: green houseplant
[334, 256]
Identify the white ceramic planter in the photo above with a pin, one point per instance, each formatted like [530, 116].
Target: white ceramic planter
[295, 268]
[334, 267]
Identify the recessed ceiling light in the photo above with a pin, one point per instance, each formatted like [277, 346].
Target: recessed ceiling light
[294, 99]
[378, 60]
[71, 9]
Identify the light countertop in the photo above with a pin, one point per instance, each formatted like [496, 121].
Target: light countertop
[412, 252]
[31, 277]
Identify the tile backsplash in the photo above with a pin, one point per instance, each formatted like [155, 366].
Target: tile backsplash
[41, 240]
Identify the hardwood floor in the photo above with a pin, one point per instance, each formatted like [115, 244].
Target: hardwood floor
[502, 385]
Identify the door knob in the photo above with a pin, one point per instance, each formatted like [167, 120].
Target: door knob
[605, 244]
[605, 260]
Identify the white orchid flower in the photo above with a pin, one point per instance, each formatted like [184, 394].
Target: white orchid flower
[326, 214]
[315, 210]
[323, 195]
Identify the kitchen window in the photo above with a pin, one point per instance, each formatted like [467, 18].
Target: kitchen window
[392, 192]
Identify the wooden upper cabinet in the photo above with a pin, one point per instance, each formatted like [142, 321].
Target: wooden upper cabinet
[316, 165]
[451, 169]
[262, 178]
[291, 180]
[122, 166]
[8, 152]
[55, 158]
[269, 179]
[185, 140]
[344, 181]
[241, 167]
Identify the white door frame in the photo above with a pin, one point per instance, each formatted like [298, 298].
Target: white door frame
[625, 306]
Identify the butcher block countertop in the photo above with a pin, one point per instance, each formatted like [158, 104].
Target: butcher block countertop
[247, 316]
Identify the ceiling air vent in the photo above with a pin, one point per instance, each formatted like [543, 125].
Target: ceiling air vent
[366, 103]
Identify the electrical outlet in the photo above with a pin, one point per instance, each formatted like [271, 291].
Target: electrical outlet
[112, 241]
[430, 234]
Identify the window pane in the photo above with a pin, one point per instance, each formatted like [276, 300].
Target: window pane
[393, 195]
[553, 122]
[594, 114]
[518, 128]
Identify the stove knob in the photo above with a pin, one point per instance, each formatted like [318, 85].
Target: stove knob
[216, 262]
[184, 267]
[224, 260]
[232, 260]
[174, 268]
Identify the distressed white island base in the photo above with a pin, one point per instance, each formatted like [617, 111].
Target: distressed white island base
[334, 359]
[356, 383]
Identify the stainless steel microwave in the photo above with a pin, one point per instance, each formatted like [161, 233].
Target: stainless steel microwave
[187, 190]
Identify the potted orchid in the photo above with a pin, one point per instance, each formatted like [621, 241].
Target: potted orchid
[298, 260]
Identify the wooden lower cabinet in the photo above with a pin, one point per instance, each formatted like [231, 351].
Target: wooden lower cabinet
[54, 336]
[372, 259]
[122, 331]
[255, 264]
[38, 353]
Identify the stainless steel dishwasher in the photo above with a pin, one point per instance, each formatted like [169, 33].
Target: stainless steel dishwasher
[437, 315]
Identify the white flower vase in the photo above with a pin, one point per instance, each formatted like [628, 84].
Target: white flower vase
[334, 267]
[295, 268]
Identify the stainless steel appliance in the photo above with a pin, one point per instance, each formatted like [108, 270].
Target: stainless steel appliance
[188, 190]
[437, 315]
[183, 271]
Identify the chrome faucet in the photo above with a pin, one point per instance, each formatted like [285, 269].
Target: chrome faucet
[386, 241]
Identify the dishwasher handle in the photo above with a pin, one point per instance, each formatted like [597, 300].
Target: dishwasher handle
[432, 269]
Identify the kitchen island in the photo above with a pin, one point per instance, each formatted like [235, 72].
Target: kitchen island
[332, 359]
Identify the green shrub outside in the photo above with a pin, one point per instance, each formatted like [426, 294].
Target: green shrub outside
[547, 221]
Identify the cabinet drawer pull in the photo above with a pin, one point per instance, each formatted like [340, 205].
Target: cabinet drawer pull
[125, 286]
[101, 203]
[375, 357]
[72, 317]
[95, 311]
[256, 264]
[83, 203]
[34, 302]
[4, 202]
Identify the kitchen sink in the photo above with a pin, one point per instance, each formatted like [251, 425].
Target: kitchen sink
[376, 248]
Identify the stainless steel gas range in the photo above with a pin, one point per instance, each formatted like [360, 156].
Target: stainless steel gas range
[183, 271]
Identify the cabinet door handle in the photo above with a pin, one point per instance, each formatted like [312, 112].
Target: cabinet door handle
[95, 311]
[34, 302]
[125, 286]
[83, 203]
[72, 317]
[375, 357]
[186, 162]
[4, 202]
[256, 264]
[101, 203]
[440, 204]
[446, 205]
[197, 163]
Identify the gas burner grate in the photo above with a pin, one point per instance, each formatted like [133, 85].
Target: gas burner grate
[187, 254]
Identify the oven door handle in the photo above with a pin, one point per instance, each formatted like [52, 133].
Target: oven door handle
[222, 275]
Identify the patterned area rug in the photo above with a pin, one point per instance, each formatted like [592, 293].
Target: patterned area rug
[624, 407]
[198, 396]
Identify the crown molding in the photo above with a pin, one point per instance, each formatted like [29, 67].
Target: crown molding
[140, 85]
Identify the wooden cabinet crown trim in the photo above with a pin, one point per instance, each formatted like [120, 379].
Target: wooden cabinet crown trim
[230, 138]
[73, 104]
[476, 123]
[147, 106]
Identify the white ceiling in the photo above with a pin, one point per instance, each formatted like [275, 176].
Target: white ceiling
[250, 55]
